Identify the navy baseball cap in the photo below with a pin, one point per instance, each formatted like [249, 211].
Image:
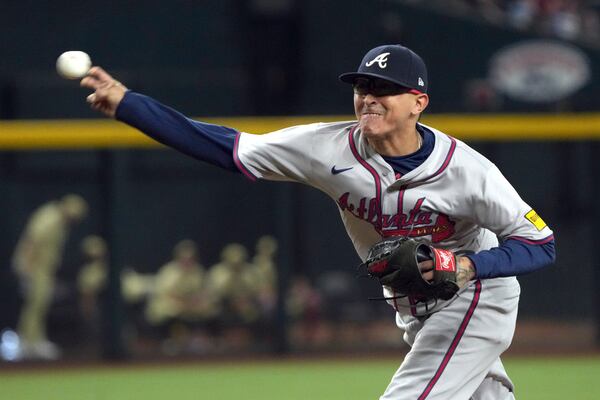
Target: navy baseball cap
[394, 63]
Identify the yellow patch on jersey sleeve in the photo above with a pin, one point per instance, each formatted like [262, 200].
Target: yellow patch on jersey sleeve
[536, 220]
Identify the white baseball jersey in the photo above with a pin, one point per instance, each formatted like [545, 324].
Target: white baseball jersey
[456, 200]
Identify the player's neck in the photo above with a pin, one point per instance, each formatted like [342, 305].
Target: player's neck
[399, 144]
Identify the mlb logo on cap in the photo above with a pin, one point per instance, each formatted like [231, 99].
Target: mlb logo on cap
[394, 63]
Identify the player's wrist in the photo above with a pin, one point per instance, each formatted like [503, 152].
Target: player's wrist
[466, 270]
[121, 109]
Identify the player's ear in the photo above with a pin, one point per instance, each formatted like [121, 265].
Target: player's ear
[421, 102]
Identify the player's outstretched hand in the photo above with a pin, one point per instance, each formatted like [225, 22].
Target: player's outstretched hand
[108, 92]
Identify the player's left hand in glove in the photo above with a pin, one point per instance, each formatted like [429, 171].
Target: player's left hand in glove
[413, 268]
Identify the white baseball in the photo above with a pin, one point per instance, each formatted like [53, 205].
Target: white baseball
[73, 64]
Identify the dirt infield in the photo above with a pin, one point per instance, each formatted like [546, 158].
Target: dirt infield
[532, 339]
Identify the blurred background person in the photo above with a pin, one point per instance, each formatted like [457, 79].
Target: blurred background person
[136, 289]
[234, 284]
[303, 306]
[266, 273]
[91, 281]
[37, 257]
[178, 301]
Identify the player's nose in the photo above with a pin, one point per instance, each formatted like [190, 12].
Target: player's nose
[369, 99]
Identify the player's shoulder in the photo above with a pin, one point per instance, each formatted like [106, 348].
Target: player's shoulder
[334, 128]
[304, 135]
[463, 154]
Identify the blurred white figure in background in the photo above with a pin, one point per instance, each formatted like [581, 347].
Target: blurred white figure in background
[91, 280]
[135, 286]
[178, 306]
[10, 345]
[234, 283]
[178, 287]
[266, 273]
[37, 257]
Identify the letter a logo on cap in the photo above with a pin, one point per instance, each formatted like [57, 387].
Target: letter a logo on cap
[380, 59]
[421, 83]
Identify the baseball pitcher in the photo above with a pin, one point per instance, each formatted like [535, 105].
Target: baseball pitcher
[433, 220]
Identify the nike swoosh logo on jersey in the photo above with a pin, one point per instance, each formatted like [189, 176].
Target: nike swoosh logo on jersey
[335, 171]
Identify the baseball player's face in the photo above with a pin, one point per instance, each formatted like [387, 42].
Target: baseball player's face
[383, 108]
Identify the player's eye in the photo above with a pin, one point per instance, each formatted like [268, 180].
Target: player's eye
[361, 87]
[377, 88]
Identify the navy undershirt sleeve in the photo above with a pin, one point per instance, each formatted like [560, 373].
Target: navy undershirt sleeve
[513, 257]
[207, 142]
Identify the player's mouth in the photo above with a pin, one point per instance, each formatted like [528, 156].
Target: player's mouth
[370, 114]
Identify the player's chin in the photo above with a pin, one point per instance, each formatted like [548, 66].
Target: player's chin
[370, 130]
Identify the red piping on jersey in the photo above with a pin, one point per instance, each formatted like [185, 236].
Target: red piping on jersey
[394, 232]
[401, 201]
[448, 158]
[413, 306]
[373, 172]
[238, 162]
[455, 341]
[439, 171]
[530, 241]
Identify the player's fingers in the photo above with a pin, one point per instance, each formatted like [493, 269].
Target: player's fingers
[98, 97]
[426, 266]
[428, 276]
[90, 82]
[101, 105]
[99, 74]
[102, 91]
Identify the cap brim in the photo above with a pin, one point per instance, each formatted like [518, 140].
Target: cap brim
[350, 77]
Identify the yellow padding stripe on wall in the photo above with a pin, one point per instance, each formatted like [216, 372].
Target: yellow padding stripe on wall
[104, 133]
